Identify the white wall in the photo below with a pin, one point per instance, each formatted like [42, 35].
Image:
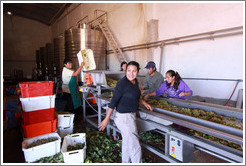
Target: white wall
[221, 58]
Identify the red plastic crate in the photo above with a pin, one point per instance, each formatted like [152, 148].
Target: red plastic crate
[38, 116]
[36, 88]
[37, 129]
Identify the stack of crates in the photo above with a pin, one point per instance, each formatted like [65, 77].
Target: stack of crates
[38, 108]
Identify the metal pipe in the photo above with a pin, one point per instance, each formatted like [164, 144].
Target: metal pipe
[239, 98]
[214, 154]
[92, 116]
[91, 122]
[161, 56]
[198, 34]
[177, 40]
[82, 19]
[149, 45]
[214, 79]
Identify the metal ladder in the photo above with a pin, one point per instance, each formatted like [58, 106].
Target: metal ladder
[111, 40]
[102, 23]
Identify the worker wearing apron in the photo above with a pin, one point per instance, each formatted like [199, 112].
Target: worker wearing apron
[126, 98]
[69, 85]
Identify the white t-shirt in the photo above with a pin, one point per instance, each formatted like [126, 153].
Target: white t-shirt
[66, 77]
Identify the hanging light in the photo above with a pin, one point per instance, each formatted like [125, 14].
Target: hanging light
[9, 13]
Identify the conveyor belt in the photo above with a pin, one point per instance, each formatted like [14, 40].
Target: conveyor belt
[155, 119]
[221, 110]
[195, 126]
[201, 122]
[204, 126]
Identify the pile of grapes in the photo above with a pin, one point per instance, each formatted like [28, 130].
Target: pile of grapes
[197, 113]
[111, 82]
[215, 139]
[41, 141]
[75, 147]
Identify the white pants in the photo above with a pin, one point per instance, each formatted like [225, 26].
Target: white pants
[131, 149]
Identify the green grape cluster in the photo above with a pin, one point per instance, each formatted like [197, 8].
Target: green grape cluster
[197, 113]
[111, 82]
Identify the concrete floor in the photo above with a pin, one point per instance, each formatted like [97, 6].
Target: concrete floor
[12, 149]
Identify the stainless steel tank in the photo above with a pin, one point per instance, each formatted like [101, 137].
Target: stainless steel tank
[38, 65]
[50, 59]
[85, 38]
[59, 54]
[43, 59]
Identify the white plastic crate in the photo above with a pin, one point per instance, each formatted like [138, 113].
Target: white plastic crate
[64, 119]
[40, 151]
[38, 103]
[75, 156]
[63, 131]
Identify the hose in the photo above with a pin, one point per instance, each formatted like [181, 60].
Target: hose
[90, 105]
[232, 92]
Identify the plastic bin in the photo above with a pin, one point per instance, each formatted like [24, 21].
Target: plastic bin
[65, 120]
[87, 57]
[38, 116]
[38, 103]
[40, 151]
[63, 131]
[36, 129]
[36, 88]
[75, 156]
